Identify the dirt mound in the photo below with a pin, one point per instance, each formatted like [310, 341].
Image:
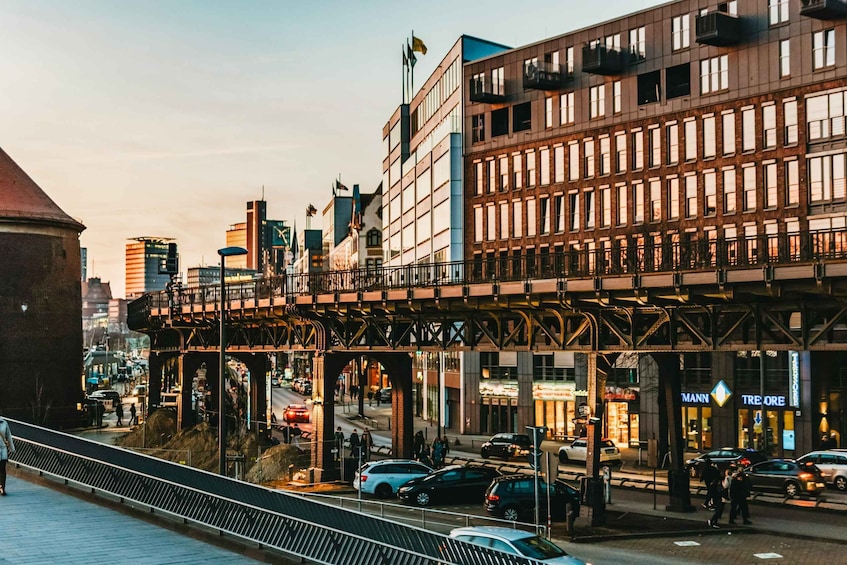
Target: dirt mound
[273, 466]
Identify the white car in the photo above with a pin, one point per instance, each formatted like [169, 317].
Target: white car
[383, 478]
[517, 542]
[833, 462]
[578, 451]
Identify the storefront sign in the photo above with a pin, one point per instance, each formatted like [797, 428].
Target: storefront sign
[696, 397]
[794, 379]
[767, 400]
[721, 393]
[618, 394]
[553, 391]
[788, 440]
[507, 389]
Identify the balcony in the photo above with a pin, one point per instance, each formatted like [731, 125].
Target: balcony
[544, 76]
[718, 28]
[823, 9]
[601, 60]
[484, 89]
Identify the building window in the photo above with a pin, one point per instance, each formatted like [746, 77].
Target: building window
[749, 187]
[709, 142]
[620, 152]
[504, 173]
[517, 171]
[729, 190]
[559, 164]
[492, 175]
[479, 176]
[769, 126]
[522, 117]
[574, 209]
[477, 224]
[654, 135]
[530, 169]
[710, 193]
[691, 196]
[678, 81]
[566, 109]
[777, 11]
[769, 180]
[569, 61]
[504, 220]
[517, 218]
[789, 113]
[714, 74]
[785, 57]
[605, 206]
[559, 200]
[637, 44]
[826, 178]
[637, 150]
[544, 214]
[792, 182]
[373, 238]
[823, 49]
[748, 129]
[655, 200]
[728, 127]
[679, 32]
[605, 155]
[597, 101]
[530, 217]
[616, 97]
[499, 122]
[673, 198]
[548, 112]
[638, 202]
[590, 212]
[491, 222]
[544, 169]
[478, 128]
[622, 205]
[573, 161]
[672, 132]
[690, 139]
[588, 158]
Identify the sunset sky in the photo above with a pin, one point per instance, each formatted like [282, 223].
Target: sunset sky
[163, 118]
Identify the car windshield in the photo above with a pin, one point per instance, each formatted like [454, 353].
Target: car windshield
[538, 548]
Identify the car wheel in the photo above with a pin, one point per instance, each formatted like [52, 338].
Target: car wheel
[791, 489]
[840, 483]
[511, 513]
[484, 454]
[563, 457]
[384, 490]
[422, 499]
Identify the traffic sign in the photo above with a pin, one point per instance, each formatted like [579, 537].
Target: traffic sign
[537, 434]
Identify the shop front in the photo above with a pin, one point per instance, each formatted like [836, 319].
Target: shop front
[771, 431]
[555, 408]
[622, 415]
[498, 410]
[697, 420]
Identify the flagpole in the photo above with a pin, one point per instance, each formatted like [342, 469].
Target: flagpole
[412, 93]
[403, 75]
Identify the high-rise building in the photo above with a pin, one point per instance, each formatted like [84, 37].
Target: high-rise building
[145, 258]
[236, 236]
[257, 212]
[84, 263]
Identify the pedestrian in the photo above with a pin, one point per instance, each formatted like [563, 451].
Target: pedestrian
[739, 490]
[338, 438]
[437, 453]
[354, 444]
[424, 456]
[7, 448]
[296, 433]
[367, 443]
[418, 444]
[133, 418]
[101, 409]
[119, 413]
[825, 442]
[722, 495]
[711, 477]
[445, 443]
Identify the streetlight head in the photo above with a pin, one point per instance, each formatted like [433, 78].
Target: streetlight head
[230, 251]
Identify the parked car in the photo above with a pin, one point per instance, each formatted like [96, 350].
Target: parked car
[516, 542]
[513, 497]
[276, 381]
[384, 394]
[453, 484]
[506, 446]
[296, 413]
[105, 394]
[833, 463]
[139, 390]
[787, 476]
[578, 451]
[723, 458]
[383, 478]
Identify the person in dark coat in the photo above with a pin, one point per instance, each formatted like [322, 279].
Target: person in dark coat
[133, 420]
[338, 438]
[366, 442]
[354, 444]
[722, 491]
[739, 490]
[418, 444]
[119, 413]
[711, 477]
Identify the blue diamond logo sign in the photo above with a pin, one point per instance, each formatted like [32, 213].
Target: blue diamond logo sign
[721, 393]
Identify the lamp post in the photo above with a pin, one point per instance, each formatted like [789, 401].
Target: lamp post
[224, 253]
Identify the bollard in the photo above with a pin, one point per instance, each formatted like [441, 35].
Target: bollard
[291, 472]
[571, 517]
[607, 484]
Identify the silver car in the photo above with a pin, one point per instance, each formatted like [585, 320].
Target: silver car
[833, 462]
[516, 542]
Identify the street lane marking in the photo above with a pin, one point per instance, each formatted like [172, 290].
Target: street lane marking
[686, 543]
[768, 555]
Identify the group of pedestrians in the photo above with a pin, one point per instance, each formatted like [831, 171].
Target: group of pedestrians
[360, 447]
[431, 455]
[731, 485]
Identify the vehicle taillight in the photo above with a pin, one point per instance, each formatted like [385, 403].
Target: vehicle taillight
[493, 497]
[744, 461]
[806, 476]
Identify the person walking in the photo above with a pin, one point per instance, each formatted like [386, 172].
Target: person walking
[367, 443]
[7, 448]
[437, 453]
[722, 493]
[119, 413]
[338, 438]
[711, 477]
[133, 418]
[354, 444]
[739, 490]
[418, 444]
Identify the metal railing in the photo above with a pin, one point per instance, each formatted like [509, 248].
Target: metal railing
[306, 529]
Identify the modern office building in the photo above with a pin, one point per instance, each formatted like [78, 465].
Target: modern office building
[145, 259]
[236, 236]
[267, 241]
[718, 126]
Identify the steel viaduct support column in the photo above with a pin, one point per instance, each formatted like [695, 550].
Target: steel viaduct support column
[189, 364]
[325, 370]
[598, 370]
[399, 368]
[258, 365]
[670, 430]
[155, 365]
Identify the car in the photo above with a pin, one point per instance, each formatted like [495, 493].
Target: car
[106, 394]
[787, 476]
[516, 542]
[833, 463]
[296, 413]
[506, 446]
[724, 458]
[139, 390]
[383, 478]
[384, 394]
[578, 451]
[512, 497]
[452, 484]
[276, 381]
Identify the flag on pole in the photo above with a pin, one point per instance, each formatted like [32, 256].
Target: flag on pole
[418, 45]
[405, 59]
[411, 54]
[340, 186]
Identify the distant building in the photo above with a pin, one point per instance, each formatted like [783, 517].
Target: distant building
[266, 241]
[236, 236]
[83, 263]
[145, 257]
[203, 276]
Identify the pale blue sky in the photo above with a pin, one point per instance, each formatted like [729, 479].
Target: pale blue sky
[163, 118]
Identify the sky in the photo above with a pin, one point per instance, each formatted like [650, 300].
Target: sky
[163, 118]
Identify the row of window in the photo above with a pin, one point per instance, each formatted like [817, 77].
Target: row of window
[649, 147]
[672, 198]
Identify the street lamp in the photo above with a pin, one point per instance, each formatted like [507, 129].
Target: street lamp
[224, 253]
